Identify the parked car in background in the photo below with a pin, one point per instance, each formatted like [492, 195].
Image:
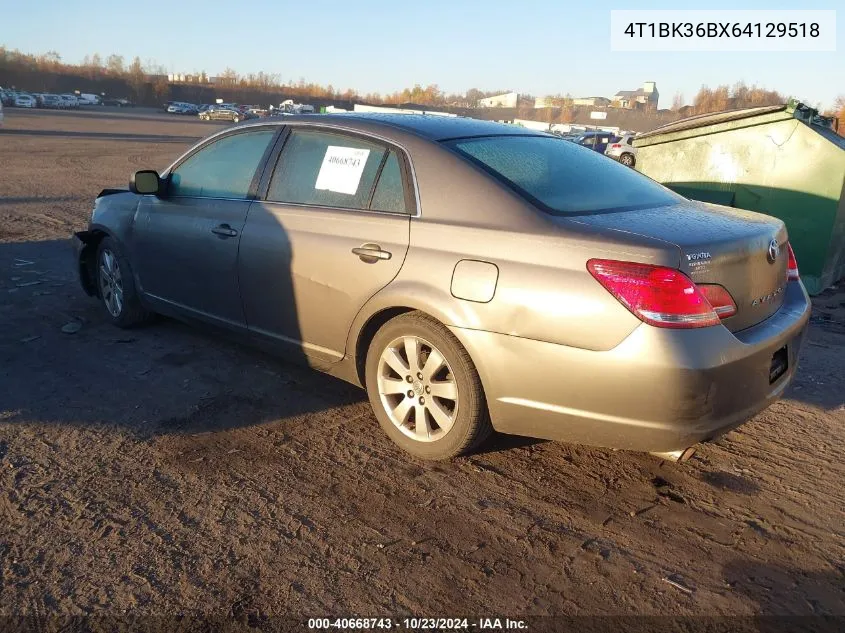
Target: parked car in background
[69, 100]
[7, 97]
[623, 150]
[600, 307]
[218, 113]
[181, 107]
[89, 99]
[289, 107]
[25, 101]
[120, 103]
[596, 141]
[51, 101]
[1, 113]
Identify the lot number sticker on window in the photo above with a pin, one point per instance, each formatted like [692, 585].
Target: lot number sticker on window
[342, 169]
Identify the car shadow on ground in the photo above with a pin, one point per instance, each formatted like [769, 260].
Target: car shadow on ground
[789, 597]
[63, 362]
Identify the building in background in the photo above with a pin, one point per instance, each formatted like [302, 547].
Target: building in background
[591, 101]
[507, 100]
[645, 97]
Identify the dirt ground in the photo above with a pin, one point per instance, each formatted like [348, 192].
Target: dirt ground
[167, 470]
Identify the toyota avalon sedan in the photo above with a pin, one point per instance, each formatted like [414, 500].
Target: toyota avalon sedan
[471, 276]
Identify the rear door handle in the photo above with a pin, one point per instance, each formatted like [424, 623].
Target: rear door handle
[371, 253]
[224, 230]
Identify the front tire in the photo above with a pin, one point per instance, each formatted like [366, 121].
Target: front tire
[424, 388]
[235, 119]
[116, 287]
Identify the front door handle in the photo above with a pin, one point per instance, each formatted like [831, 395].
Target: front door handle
[224, 230]
[371, 253]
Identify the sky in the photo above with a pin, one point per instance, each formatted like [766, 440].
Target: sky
[539, 47]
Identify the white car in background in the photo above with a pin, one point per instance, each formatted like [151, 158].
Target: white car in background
[1, 113]
[69, 101]
[89, 99]
[25, 101]
[52, 101]
[623, 150]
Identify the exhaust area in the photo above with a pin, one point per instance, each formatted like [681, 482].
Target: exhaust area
[676, 456]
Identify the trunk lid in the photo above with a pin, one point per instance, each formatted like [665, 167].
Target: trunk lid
[742, 251]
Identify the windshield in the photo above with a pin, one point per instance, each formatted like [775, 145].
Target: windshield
[560, 177]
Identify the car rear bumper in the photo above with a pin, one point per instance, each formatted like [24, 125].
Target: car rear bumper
[659, 390]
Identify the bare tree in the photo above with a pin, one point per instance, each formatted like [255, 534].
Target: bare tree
[136, 78]
[114, 63]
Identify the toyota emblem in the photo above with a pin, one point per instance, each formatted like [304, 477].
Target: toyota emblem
[774, 251]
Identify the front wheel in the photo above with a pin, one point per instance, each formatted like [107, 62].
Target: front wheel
[235, 119]
[424, 388]
[116, 287]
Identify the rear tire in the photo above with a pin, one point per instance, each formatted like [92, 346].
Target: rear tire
[417, 370]
[627, 160]
[116, 287]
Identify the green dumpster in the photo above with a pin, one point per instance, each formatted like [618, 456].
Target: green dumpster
[771, 159]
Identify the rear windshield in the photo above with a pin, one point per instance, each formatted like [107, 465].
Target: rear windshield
[562, 177]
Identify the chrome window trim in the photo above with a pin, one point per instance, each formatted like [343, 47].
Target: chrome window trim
[147, 195]
[316, 125]
[343, 209]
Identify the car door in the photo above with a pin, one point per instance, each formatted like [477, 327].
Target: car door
[589, 141]
[602, 142]
[331, 232]
[185, 242]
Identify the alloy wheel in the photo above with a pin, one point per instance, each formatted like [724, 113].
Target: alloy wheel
[417, 388]
[111, 283]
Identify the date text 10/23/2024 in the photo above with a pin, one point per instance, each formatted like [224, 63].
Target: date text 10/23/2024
[418, 624]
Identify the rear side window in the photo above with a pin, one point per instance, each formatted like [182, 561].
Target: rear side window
[223, 169]
[390, 193]
[326, 169]
[560, 177]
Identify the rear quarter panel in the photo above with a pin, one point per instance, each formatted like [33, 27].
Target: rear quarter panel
[544, 290]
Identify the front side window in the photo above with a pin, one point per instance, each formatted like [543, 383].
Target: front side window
[327, 169]
[223, 169]
[562, 178]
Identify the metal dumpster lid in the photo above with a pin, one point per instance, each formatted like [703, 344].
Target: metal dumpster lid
[712, 118]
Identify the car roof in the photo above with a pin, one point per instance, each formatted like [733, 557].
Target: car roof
[430, 126]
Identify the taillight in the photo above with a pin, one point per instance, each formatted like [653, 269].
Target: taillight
[657, 295]
[615, 146]
[720, 299]
[792, 265]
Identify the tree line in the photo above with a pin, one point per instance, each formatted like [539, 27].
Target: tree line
[138, 76]
[148, 82]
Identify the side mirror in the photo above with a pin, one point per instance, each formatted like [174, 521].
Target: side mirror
[145, 182]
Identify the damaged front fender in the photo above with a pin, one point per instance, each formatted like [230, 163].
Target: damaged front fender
[85, 253]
